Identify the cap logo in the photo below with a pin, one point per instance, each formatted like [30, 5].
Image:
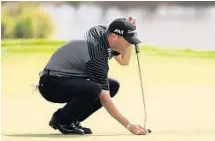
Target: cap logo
[131, 31]
[119, 31]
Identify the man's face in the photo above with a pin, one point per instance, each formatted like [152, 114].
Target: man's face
[121, 45]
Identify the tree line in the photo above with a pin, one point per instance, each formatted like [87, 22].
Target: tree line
[24, 20]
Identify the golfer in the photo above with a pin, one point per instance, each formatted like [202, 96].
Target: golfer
[77, 74]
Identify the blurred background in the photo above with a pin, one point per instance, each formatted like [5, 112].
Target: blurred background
[178, 24]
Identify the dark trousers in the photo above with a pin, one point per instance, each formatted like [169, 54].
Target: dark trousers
[80, 95]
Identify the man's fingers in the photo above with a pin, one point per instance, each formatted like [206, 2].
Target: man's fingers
[132, 19]
[139, 132]
[142, 128]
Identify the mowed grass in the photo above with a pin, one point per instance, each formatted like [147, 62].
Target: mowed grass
[179, 91]
[21, 46]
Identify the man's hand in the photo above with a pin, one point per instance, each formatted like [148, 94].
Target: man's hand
[137, 129]
[132, 19]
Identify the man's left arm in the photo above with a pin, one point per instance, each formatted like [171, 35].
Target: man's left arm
[124, 58]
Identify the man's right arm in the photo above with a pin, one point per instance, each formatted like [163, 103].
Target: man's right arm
[98, 72]
[110, 106]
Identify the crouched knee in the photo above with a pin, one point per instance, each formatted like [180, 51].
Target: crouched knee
[93, 90]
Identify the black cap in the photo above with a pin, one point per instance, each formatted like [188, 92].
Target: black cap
[123, 27]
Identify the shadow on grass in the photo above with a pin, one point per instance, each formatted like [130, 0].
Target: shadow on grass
[58, 135]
